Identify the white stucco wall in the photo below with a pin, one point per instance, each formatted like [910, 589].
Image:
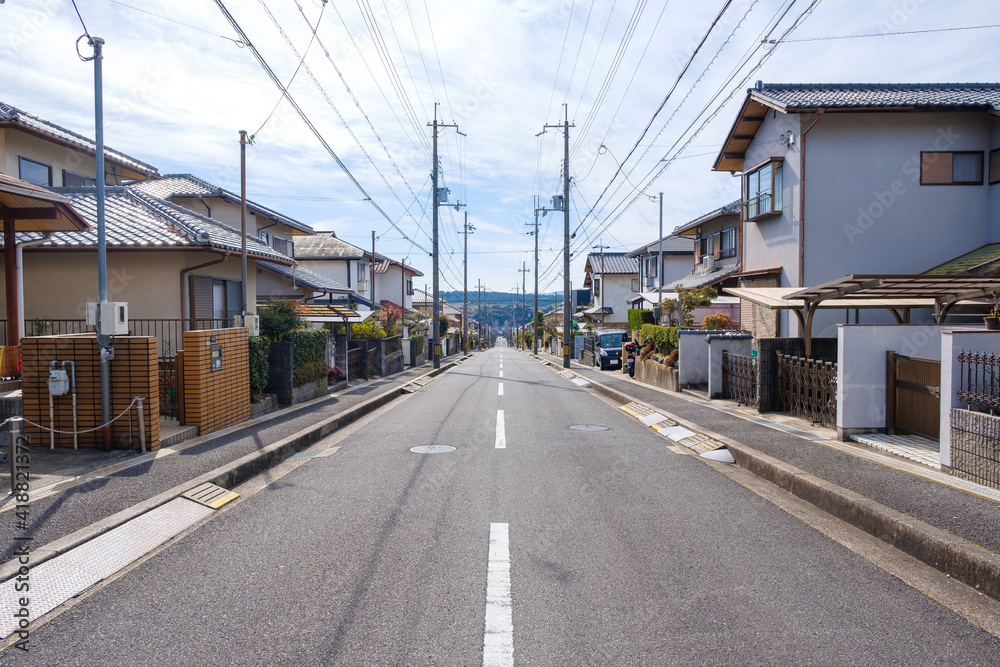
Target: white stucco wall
[953, 342]
[861, 366]
[692, 358]
[616, 290]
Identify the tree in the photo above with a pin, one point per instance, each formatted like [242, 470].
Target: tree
[279, 317]
[389, 316]
[442, 326]
[688, 298]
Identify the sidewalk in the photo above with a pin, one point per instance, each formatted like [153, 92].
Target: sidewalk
[957, 507]
[72, 490]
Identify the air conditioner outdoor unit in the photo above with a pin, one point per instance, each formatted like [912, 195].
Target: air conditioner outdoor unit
[707, 263]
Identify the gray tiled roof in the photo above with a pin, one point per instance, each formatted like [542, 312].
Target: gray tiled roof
[614, 263]
[732, 208]
[326, 246]
[189, 185]
[698, 279]
[136, 220]
[672, 245]
[304, 276]
[874, 95]
[12, 114]
[382, 264]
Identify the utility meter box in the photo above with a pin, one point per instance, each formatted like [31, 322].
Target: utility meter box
[58, 382]
[252, 323]
[114, 318]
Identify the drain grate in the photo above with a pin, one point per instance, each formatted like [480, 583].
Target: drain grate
[432, 449]
[588, 427]
[210, 495]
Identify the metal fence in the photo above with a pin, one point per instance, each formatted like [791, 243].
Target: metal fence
[979, 381]
[169, 332]
[740, 378]
[807, 388]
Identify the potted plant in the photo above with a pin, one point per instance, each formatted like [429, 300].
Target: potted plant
[993, 319]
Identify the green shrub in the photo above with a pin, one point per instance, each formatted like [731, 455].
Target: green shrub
[277, 318]
[663, 339]
[308, 345]
[420, 343]
[639, 316]
[310, 371]
[443, 326]
[718, 321]
[259, 349]
[367, 330]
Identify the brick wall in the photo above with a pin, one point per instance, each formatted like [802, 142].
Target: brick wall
[133, 372]
[214, 399]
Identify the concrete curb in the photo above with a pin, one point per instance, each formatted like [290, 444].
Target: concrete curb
[227, 476]
[960, 559]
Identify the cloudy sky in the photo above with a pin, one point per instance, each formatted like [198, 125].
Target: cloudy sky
[178, 87]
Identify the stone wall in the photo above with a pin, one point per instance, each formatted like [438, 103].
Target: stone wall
[975, 447]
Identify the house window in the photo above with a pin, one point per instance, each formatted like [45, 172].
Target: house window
[215, 298]
[707, 245]
[951, 168]
[727, 243]
[265, 238]
[651, 267]
[597, 287]
[409, 287]
[74, 180]
[995, 166]
[762, 190]
[635, 284]
[279, 244]
[362, 271]
[35, 172]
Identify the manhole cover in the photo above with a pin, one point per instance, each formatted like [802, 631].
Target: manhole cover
[588, 427]
[432, 449]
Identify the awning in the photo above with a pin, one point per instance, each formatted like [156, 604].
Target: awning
[25, 207]
[311, 312]
[598, 310]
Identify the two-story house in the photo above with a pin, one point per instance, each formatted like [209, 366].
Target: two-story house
[613, 278]
[349, 265]
[716, 243]
[842, 179]
[675, 255]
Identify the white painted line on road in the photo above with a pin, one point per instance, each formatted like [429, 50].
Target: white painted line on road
[500, 391]
[501, 373]
[501, 439]
[498, 638]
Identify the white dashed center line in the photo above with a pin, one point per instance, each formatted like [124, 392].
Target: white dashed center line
[500, 391]
[501, 439]
[498, 638]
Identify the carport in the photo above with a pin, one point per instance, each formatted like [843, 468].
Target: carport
[898, 294]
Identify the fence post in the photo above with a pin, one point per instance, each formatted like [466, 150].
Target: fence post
[142, 426]
[890, 392]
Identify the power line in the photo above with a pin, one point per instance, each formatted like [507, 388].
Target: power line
[880, 34]
[291, 100]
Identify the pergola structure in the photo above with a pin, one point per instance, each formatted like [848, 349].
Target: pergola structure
[896, 293]
[29, 208]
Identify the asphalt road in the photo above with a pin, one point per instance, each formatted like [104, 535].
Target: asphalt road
[621, 552]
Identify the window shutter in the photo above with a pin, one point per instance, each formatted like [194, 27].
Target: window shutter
[935, 168]
[201, 298]
[995, 166]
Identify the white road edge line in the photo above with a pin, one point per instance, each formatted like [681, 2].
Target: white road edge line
[501, 439]
[500, 390]
[498, 637]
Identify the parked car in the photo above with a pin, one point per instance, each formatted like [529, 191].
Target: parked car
[608, 348]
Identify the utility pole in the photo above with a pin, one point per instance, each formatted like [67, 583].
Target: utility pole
[466, 230]
[523, 271]
[659, 269]
[243, 223]
[600, 248]
[567, 316]
[436, 309]
[374, 302]
[534, 313]
[479, 312]
[103, 340]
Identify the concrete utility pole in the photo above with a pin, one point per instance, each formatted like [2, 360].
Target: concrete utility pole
[523, 271]
[374, 302]
[567, 315]
[659, 269]
[243, 223]
[479, 312]
[466, 230]
[436, 308]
